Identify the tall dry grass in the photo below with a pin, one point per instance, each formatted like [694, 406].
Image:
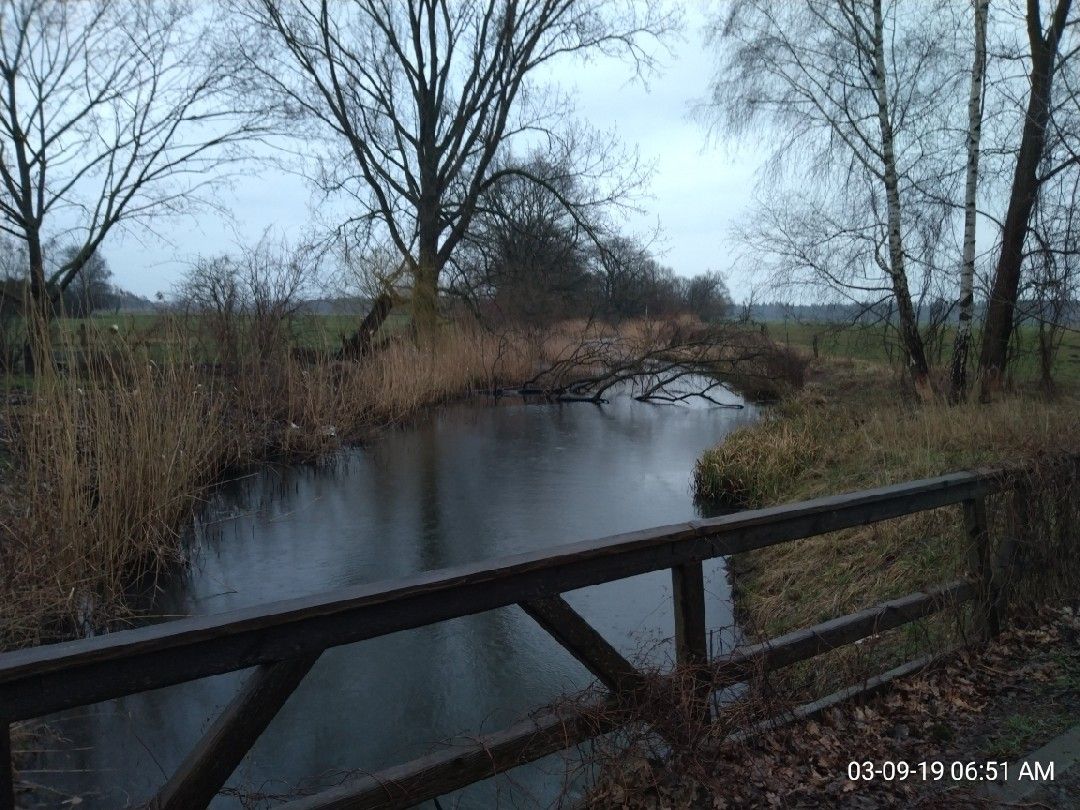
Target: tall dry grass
[110, 451]
[105, 468]
[853, 429]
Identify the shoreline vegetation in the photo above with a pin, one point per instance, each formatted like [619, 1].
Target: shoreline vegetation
[109, 451]
[856, 425]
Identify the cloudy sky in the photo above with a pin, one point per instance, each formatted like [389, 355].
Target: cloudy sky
[698, 188]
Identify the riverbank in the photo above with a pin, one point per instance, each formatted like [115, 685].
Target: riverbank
[852, 427]
[104, 467]
[110, 453]
[936, 740]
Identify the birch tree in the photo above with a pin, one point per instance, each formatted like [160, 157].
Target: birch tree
[420, 103]
[966, 301]
[855, 88]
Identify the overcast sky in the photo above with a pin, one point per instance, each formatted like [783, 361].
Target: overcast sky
[697, 191]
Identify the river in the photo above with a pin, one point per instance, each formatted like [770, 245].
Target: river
[466, 482]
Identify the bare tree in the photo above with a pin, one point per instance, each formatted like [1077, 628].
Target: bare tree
[966, 301]
[250, 298]
[91, 287]
[856, 88]
[525, 257]
[421, 100]
[111, 113]
[1044, 44]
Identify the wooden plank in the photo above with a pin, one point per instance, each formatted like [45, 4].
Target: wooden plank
[1006, 568]
[688, 592]
[584, 642]
[442, 772]
[460, 765]
[691, 639]
[7, 768]
[977, 529]
[868, 688]
[41, 680]
[808, 642]
[214, 758]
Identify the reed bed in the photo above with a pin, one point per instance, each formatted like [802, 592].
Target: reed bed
[114, 444]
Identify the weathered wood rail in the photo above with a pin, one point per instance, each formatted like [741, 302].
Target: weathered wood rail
[283, 640]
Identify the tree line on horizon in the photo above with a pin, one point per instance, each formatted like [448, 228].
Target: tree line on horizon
[916, 157]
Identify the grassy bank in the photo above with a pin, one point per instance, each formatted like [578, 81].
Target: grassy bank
[852, 427]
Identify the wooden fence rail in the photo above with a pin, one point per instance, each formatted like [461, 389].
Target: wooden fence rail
[283, 640]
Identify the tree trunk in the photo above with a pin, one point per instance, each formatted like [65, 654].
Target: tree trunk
[37, 309]
[1025, 189]
[425, 294]
[909, 327]
[358, 343]
[966, 303]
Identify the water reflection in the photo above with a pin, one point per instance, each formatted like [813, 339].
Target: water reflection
[467, 483]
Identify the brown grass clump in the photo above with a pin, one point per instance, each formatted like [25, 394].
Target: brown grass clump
[106, 469]
[109, 451]
[853, 429]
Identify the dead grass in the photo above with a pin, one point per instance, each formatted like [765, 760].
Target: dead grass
[110, 451]
[104, 471]
[851, 429]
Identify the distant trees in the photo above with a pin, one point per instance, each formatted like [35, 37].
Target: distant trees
[91, 289]
[111, 112]
[251, 296]
[525, 253]
[421, 103]
[707, 296]
[531, 257]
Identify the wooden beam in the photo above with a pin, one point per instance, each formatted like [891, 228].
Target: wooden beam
[977, 529]
[214, 758]
[584, 642]
[691, 639]
[688, 592]
[809, 642]
[1007, 567]
[861, 691]
[7, 768]
[442, 772]
[42, 680]
[466, 762]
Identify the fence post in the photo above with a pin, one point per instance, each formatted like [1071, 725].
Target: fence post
[691, 641]
[980, 566]
[1007, 564]
[7, 768]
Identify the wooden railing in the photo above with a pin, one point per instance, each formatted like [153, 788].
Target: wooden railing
[283, 640]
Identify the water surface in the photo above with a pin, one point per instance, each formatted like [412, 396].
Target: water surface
[468, 482]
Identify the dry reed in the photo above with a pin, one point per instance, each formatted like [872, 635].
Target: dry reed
[110, 451]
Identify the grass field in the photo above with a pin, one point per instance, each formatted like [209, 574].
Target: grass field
[154, 334]
[309, 331]
[878, 344]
